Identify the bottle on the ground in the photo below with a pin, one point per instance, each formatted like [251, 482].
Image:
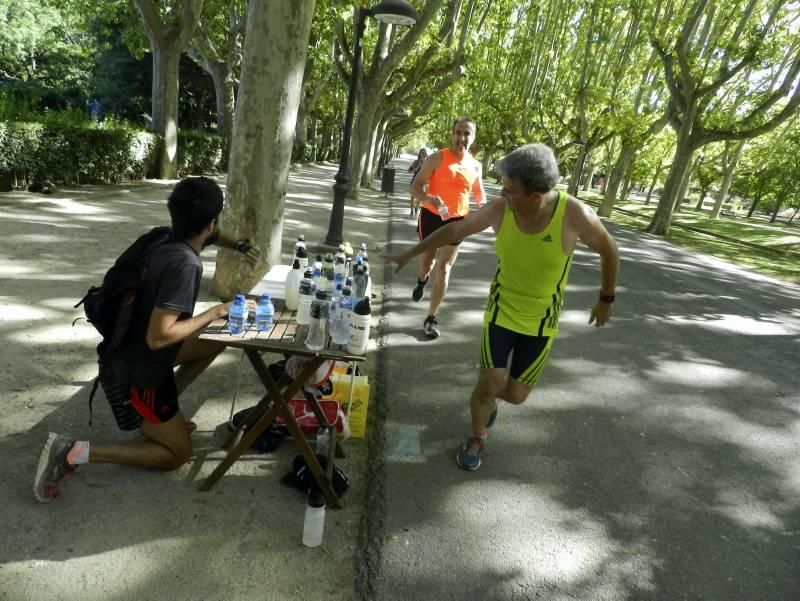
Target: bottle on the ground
[292, 289]
[314, 522]
[237, 315]
[265, 313]
[359, 327]
[318, 326]
[340, 330]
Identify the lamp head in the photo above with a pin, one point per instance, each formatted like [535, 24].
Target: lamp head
[394, 12]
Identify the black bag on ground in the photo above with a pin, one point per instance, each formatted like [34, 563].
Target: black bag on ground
[269, 440]
[302, 479]
[109, 307]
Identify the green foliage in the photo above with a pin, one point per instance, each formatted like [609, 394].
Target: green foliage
[63, 152]
[200, 153]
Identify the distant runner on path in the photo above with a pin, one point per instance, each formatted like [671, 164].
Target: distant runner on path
[450, 176]
[536, 230]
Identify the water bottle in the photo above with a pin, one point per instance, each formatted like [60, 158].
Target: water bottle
[307, 292]
[327, 266]
[359, 280]
[362, 252]
[340, 332]
[292, 287]
[302, 256]
[237, 316]
[339, 253]
[348, 262]
[317, 270]
[323, 441]
[317, 329]
[359, 327]
[327, 284]
[443, 212]
[368, 287]
[301, 243]
[265, 312]
[314, 522]
[339, 270]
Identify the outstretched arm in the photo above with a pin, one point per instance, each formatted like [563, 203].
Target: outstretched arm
[477, 188]
[486, 217]
[592, 233]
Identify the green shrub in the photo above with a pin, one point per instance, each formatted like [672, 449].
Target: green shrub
[200, 153]
[63, 152]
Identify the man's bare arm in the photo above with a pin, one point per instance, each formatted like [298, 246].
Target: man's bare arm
[593, 233]
[418, 188]
[164, 329]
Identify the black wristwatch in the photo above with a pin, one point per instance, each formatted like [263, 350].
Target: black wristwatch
[242, 246]
[607, 298]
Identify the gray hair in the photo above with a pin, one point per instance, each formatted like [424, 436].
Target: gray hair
[532, 166]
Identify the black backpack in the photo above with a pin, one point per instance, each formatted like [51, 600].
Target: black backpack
[109, 307]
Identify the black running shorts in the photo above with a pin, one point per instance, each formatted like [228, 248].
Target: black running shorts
[430, 222]
[133, 404]
[529, 352]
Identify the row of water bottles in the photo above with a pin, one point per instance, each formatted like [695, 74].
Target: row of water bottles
[328, 300]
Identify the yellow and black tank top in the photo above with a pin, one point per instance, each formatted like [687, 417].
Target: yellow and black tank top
[527, 291]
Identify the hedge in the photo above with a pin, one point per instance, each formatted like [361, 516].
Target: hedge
[75, 154]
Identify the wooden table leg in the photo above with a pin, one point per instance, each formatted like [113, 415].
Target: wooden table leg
[252, 417]
[278, 402]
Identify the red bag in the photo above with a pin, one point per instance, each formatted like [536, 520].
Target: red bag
[301, 409]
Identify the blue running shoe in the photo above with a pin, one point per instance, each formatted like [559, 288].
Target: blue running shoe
[470, 460]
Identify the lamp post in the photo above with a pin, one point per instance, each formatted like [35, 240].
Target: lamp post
[393, 12]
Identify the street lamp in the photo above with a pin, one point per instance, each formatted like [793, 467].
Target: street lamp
[393, 12]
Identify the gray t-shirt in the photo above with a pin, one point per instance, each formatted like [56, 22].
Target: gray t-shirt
[171, 281]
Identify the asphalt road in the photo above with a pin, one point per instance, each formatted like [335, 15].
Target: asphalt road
[658, 458]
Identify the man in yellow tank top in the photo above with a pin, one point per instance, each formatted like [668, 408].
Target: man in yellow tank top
[536, 230]
[443, 187]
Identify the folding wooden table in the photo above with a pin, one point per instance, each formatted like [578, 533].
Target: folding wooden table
[286, 338]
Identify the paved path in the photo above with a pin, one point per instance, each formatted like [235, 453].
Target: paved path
[659, 457]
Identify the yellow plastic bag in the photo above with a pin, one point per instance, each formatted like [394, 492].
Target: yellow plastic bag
[359, 403]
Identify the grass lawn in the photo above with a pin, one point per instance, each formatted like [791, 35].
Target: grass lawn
[772, 235]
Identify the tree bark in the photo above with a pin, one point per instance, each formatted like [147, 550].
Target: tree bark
[615, 179]
[729, 167]
[269, 95]
[753, 206]
[775, 212]
[577, 169]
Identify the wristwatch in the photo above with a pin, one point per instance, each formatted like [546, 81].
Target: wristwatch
[607, 298]
[242, 246]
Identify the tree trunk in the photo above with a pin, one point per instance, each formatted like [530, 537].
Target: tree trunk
[300, 139]
[165, 106]
[687, 178]
[653, 183]
[269, 95]
[362, 138]
[727, 178]
[753, 206]
[615, 179]
[367, 173]
[797, 210]
[676, 177]
[312, 134]
[575, 178]
[224, 97]
[587, 178]
[775, 212]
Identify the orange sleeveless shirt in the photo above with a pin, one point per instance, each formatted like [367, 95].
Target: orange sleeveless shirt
[452, 181]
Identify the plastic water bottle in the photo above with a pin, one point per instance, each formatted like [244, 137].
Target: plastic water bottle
[359, 280]
[237, 316]
[292, 287]
[307, 292]
[362, 251]
[340, 331]
[314, 522]
[327, 266]
[328, 283]
[317, 329]
[339, 270]
[301, 243]
[317, 270]
[302, 256]
[265, 312]
[323, 441]
[339, 253]
[443, 212]
[359, 327]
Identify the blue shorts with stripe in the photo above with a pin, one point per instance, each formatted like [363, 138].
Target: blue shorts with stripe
[528, 353]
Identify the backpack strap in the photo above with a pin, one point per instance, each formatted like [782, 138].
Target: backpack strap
[91, 397]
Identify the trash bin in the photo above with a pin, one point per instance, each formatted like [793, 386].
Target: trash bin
[387, 180]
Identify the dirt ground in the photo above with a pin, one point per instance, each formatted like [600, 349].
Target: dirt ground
[119, 533]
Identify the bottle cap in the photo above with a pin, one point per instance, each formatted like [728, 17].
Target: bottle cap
[301, 253]
[349, 281]
[340, 260]
[363, 307]
[339, 286]
[309, 273]
[319, 258]
[296, 264]
[330, 276]
[322, 295]
[358, 259]
[302, 237]
[316, 498]
[346, 291]
[265, 297]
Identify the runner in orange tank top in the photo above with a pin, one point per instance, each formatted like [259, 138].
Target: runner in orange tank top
[443, 187]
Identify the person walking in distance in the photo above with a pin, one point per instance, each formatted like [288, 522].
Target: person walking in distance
[536, 230]
[138, 378]
[443, 187]
[414, 170]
